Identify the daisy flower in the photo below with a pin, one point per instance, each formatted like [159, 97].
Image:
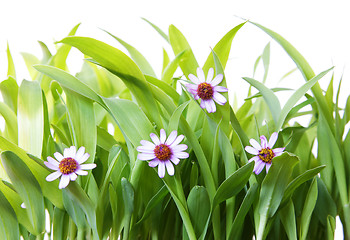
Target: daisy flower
[163, 152]
[264, 152]
[68, 166]
[207, 90]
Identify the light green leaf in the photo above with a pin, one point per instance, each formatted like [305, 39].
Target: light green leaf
[11, 132]
[10, 65]
[9, 92]
[170, 69]
[287, 215]
[158, 30]
[31, 60]
[9, 228]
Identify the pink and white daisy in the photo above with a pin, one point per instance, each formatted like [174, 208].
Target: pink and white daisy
[264, 152]
[163, 152]
[207, 90]
[68, 165]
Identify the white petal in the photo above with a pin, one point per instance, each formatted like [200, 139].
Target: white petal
[161, 169]
[202, 104]
[51, 166]
[259, 165]
[175, 160]
[154, 163]
[217, 80]
[145, 156]
[210, 106]
[170, 168]
[210, 75]
[278, 151]
[273, 139]
[255, 158]
[268, 165]
[58, 156]
[162, 135]
[81, 172]
[181, 155]
[219, 98]
[263, 141]
[146, 149]
[255, 144]
[251, 150]
[83, 158]
[70, 152]
[80, 153]
[171, 138]
[177, 140]
[220, 89]
[72, 176]
[193, 78]
[147, 143]
[179, 148]
[53, 176]
[155, 138]
[64, 181]
[88, 166]
[53, 161]
[200, 75]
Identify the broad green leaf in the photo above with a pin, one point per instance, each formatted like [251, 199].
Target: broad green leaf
[30, 117]
[58, 224]
[104, 139]
[170, 69]
[233, 184]
[9, 228]
[121, 65]
[11, 132]
[222, 48]
[237, 226]
[74, 211]
[158, 30]
[287, 215]
[272, 190]
[325, 205]
[27, 187]
[10, 65]
[46, 52]
[309, 206]
[179, 44]
[268, 95]
[296, 96]
[139, 59]
[166, 88]
[199, 208]
[9, 92]
[31, 60]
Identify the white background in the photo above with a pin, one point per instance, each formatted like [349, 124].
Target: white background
[318, 29]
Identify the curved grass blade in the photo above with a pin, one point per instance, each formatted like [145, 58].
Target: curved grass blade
[9, 92]
[10, 65]
[163, 34]
[170, 69]
[11, 130]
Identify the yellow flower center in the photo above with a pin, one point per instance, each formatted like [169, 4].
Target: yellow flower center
[162, 152]
[205, 91]
[266, 155]
[68, 165]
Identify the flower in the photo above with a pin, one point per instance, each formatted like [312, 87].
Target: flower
[207, 90]
[264, 152]
[68, 165]
[163, 152]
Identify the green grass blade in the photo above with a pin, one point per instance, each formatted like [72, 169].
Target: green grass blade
[11, 130]
[163, 34]
[9, 228]
[287, 215]
[31, 60]
[10, 65]
[170, 69]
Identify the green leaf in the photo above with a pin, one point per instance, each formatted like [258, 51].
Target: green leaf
[9, 92]
[287, 215]
[233, 184]
[139, 59]
[179, 44]
[58, 224]
[128, 197]
[30, 117]
[31, 60]
[170, 69]
[325, 205]
[331, 227]
[11, 132]
[272, 190]
[9, 228]
[309, 206]
[10, 65]
[273, 89]
[175, 118]
[27, 187]
[199, 208]
[268, 95]
[266, 60]
[158, 30]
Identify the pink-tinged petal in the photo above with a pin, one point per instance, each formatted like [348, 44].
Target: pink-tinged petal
[217, 80]
[73, 176]
[175, 160]
[83, 158]
[51, 166]
[147, 143]
[145, 156]
[81, 172]
[220, 89]
[161, 169]
[268, 165]
[210, 106]
[179, 148]
[53, 176]
[70, 152]
[170, 168]
[272, 139]
[263, 141]
[146, 149]
[154, 163]
[210, 75]
[200, 75]
[53, 161]
[162, 135]
[255, 144]
[88, 166]
[219, 98]
[64, 181]
[255, 158]
[177, 141]
[80, 153]
[193, 78]
[171, 138]
[278, 151]
[155, 138]
[202, 104]
[58, 156]
[196, 97]
[251, 150]
[181, 155]
[259, 166]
